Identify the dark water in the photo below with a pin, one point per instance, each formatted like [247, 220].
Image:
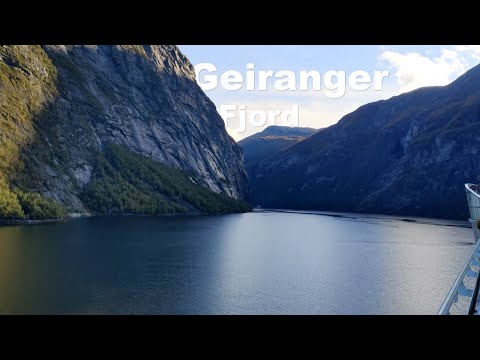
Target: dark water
[257, 263]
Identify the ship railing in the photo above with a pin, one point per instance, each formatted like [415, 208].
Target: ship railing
[473, 199]
[463, 299]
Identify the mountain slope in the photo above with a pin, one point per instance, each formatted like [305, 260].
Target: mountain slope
[61, 106]
[271, 140]
[408, 155]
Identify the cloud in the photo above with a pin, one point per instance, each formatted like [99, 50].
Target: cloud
[474, 50]
[421, 66]
[414, 70]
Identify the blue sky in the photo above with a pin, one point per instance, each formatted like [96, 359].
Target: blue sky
[410, 67]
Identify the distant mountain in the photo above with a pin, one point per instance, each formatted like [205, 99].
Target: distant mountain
[111, 129]
[409, 155]
[271, 140]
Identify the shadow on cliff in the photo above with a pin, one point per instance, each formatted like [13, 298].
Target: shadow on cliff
[96, 87]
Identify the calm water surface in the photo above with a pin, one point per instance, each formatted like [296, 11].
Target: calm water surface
[256, 263]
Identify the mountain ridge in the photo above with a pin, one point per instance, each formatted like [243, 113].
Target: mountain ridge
[408, 155]
[271, 140]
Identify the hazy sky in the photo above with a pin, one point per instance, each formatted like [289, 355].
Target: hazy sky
[410, 67]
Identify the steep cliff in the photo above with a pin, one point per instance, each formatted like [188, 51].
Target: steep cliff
[61, 106]
[408, 155]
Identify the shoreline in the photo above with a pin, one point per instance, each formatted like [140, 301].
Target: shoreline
[389, 217]
[31, 222]
[72, 216]
[78, 216]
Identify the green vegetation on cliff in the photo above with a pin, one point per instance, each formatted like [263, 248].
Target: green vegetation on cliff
[124, 182]
[10, 208]
[38, 207]
[27, 84]
[18, 205]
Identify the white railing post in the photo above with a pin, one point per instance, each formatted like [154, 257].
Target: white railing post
[473, 199]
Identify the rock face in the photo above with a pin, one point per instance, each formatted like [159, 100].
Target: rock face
[60, 105]
[409, 155]
[271, 140]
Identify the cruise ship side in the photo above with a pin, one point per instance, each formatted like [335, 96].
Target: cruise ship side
[463, 298]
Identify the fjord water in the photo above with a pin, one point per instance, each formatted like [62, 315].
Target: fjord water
[254, 263]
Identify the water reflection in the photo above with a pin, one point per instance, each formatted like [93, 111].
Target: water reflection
[274, 263]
